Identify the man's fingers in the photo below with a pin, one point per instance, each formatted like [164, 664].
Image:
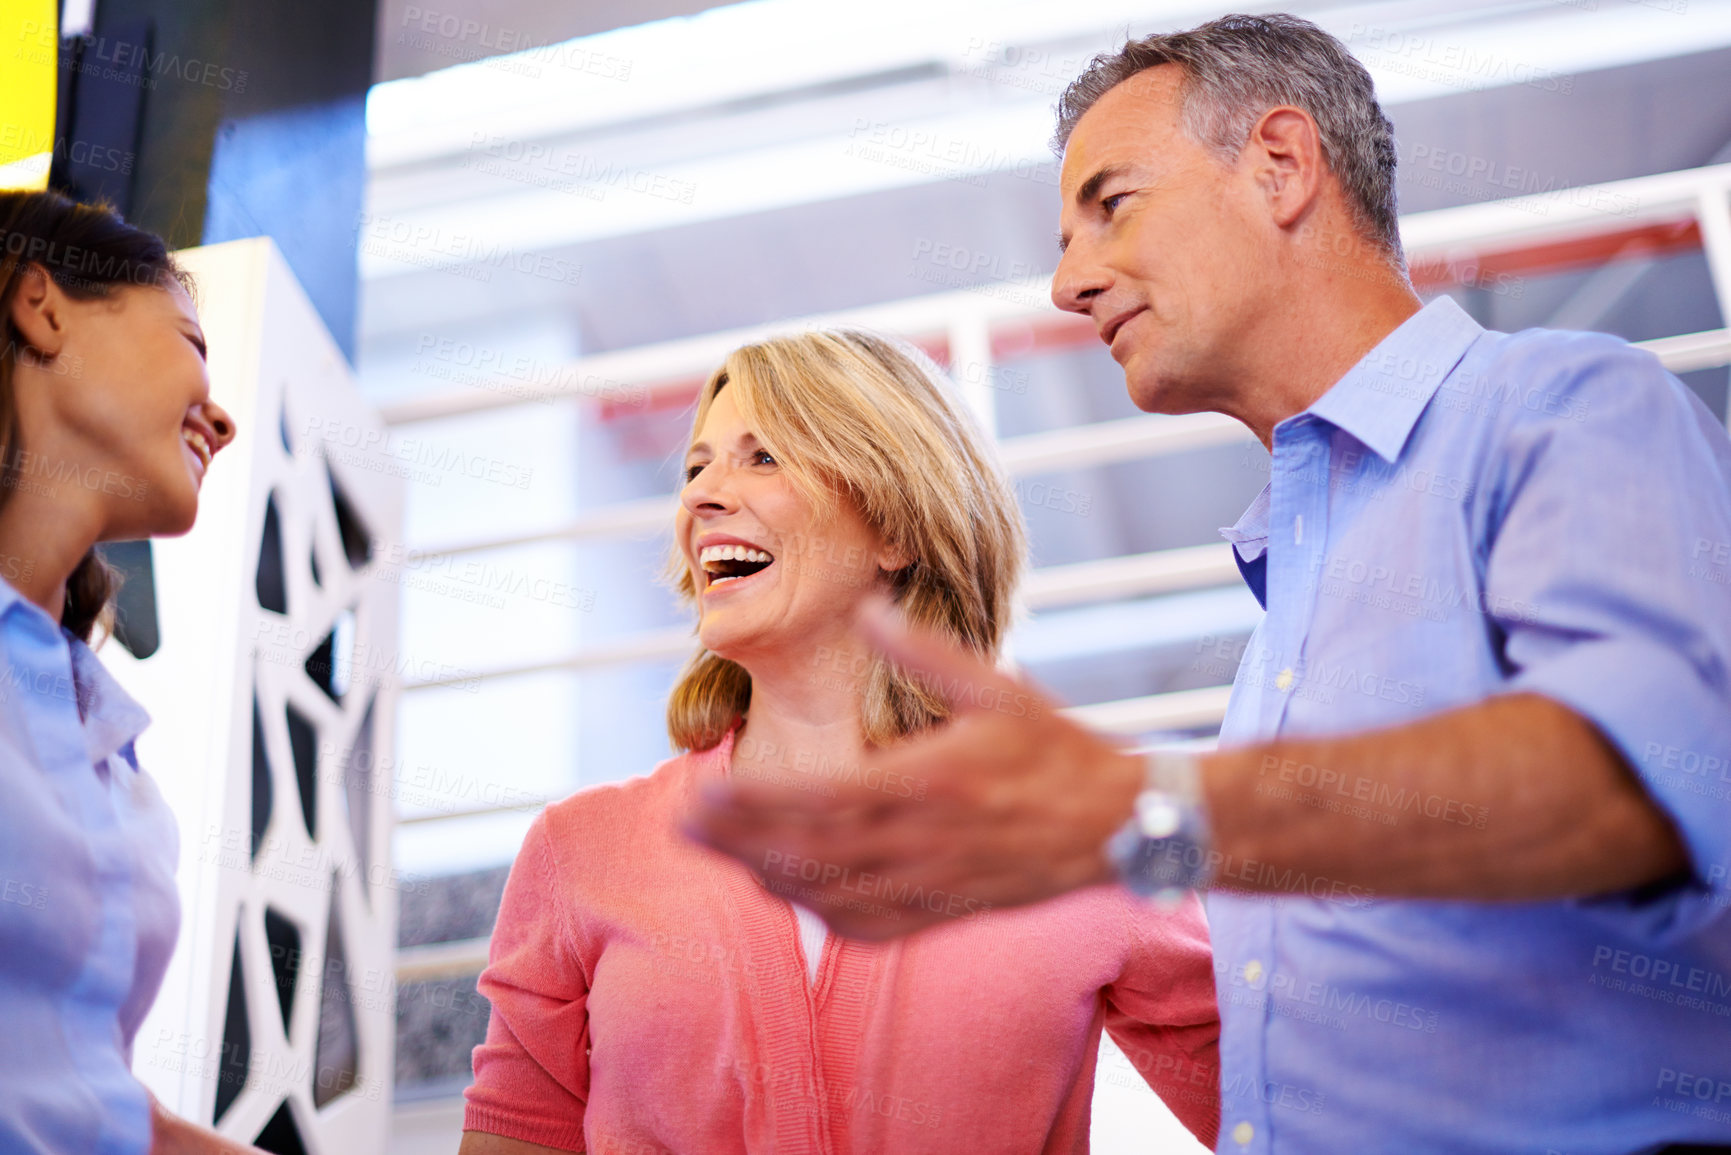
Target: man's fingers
[750, 823]
[963, 680]
[776, 808]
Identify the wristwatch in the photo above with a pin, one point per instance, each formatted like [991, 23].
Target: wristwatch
[1165, 846]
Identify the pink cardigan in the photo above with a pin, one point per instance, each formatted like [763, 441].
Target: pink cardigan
[651, 996]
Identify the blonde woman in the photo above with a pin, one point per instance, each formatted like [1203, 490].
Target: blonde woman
[651, 996]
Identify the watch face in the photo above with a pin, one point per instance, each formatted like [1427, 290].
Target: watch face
[1157, 814]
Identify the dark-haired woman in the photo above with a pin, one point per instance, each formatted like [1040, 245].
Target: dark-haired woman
[106, 430]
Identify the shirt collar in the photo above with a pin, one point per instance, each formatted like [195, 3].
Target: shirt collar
[1249, 535]
[112, 718]
[1380, 398]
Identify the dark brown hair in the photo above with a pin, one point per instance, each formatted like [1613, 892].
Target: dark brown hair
[89, 251]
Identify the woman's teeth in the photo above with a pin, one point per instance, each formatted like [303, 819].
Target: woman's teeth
[724, 563]
[732, 553]
[199, 445]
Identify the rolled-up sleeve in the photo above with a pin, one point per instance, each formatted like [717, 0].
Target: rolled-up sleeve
[532, 1072]
[1601, 578]
[1162, 1013]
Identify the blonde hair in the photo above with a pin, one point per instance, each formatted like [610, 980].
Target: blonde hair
[871, 420]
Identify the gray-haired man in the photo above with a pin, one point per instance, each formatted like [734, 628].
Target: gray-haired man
[1478, 902]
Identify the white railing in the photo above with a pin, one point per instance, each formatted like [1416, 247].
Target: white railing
[969, 321]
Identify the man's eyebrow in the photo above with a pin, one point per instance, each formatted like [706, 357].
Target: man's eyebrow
[1091, 187]
[1089, 190]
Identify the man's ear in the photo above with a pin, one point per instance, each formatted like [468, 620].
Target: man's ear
[38, 312]
[1285, 150]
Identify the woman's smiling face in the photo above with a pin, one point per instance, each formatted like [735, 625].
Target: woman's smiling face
[124, 404]
[772, 576]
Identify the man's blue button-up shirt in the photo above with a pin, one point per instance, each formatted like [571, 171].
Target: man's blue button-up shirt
[1469, 513]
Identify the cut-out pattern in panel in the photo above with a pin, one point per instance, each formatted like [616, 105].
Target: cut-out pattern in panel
[284, 938]
[261, 792]
[357, 539]
[282, 424]
[270, 582]
[336, 1057]
[358, 793]
[236, 1058]
[331, 664]
[304, 744]
[280, 1135]
[313, 564]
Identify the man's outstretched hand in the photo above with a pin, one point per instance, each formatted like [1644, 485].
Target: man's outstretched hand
[1006, 803]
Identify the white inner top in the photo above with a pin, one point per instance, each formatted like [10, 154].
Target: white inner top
[812, 934]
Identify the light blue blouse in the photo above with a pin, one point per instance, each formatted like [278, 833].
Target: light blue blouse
[88, 907]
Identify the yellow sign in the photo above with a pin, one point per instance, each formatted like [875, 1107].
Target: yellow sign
[29, 58]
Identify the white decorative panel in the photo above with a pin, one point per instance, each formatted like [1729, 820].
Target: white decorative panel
[273, 695]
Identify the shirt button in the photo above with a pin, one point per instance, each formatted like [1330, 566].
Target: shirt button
[1243, 1134]
[1283, 680]
[1252, 971]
